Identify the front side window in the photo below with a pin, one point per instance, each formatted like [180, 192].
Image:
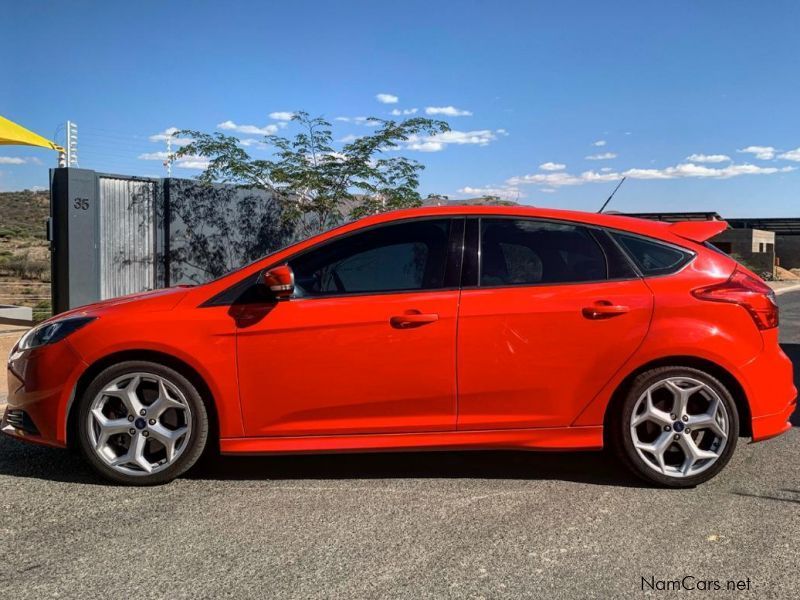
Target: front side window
[401, 257]
[525, 252]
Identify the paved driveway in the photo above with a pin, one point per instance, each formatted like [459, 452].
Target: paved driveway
[459, 525]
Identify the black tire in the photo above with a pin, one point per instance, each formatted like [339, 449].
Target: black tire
[620, 438]
[194, 445]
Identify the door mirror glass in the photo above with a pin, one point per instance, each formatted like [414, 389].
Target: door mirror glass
[279, 281]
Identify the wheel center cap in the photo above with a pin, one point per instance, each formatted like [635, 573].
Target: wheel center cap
[140, 423]
[677, 426]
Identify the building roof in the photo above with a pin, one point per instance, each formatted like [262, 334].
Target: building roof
[671, 217]
[779, 225]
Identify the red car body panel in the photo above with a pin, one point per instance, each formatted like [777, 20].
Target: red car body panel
[345, 369]
[511, 367]
[528, 357]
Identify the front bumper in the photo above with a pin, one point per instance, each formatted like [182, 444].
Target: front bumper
[40, 384]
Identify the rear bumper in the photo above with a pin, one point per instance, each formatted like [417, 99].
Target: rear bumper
[769, 426]
[770, 389]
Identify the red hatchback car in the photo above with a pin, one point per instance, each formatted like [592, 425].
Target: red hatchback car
[435, 328]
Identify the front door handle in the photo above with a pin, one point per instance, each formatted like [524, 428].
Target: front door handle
[604, 310]
[412, 318]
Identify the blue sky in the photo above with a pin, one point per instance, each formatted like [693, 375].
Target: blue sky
[697, 102]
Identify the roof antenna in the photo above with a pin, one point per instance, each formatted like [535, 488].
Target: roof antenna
[602, 208]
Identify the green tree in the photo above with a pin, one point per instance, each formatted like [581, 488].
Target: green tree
[317, 184]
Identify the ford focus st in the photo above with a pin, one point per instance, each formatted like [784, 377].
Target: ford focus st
[436, 328]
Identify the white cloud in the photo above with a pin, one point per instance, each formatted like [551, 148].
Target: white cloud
[551, 166]
[193, 163]
[252, 143]
[602, 156]
[547, 190]
[708, 158]
[599, 143]
[281, 115]
[437, 142]
[387, 98]
[248, 129]
[12, 160]
[168, 133]
[359, 121]
[406, 111]
[154, 156]
[760, 152]
[793, 155]
[506, 193]
[501, 132]
[447, 111]
[184, 162]
[606, 169]
[427, 146]
[679, 171]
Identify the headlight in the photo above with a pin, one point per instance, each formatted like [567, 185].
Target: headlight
[50, 333]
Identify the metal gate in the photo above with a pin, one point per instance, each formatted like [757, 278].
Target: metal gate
[113, 235]
[127, 236]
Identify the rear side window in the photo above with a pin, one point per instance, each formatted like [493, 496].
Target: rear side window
[652, 257]
[525, 252]
[397, 257]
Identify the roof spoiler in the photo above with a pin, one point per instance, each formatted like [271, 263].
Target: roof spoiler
[698, 231]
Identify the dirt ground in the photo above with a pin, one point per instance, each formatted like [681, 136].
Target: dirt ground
[9, 334]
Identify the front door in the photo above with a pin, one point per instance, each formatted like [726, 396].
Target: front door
[556, 312]
[367, 345]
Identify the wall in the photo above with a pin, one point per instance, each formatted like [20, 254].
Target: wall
[745, 245]
[787, 248]
[114, 235]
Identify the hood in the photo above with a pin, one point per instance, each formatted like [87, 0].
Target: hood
[154, 300]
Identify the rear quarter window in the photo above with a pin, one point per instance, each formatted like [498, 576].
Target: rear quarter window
[653, 257]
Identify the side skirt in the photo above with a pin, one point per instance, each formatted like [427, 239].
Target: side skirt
[555, 438]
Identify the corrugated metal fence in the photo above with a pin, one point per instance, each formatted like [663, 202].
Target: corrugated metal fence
[113, 235]
[126, 236]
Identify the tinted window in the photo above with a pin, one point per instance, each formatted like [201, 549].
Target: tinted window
[619, 265]
[653, 258]
[519, 251]
[406, 256]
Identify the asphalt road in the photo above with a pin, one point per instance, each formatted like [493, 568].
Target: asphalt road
[459, 525]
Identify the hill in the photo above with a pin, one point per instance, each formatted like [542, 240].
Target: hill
[24, 251]
[23, 214]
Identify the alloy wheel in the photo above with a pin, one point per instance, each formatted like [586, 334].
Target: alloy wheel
[679, 427]
[139, 424]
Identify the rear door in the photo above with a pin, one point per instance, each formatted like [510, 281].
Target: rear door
[554, 311]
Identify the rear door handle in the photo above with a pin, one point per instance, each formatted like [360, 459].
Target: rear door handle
[412, 319]
[604, 310]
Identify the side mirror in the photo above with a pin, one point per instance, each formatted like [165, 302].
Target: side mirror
[279, 281]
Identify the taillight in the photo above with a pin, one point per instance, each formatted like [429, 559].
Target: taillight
[747, 291]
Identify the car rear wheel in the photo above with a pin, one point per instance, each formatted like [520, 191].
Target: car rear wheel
[141, 423]
[677, 427]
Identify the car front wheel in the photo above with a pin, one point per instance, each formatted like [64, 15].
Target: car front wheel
[141, 423]
[677, 427]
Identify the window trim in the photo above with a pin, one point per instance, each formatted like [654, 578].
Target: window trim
[593, 231]
[454, 260]
[470, 257]
[691, 254]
